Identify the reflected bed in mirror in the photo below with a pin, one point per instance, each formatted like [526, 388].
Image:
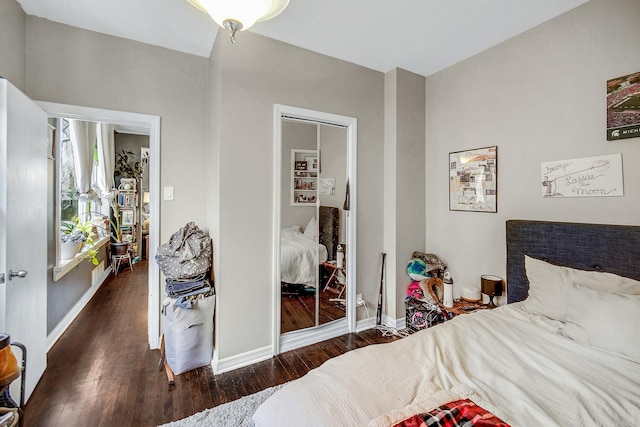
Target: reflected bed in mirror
[301, 257]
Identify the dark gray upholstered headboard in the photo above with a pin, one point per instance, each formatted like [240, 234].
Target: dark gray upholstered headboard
[329, 229]
[601, 247]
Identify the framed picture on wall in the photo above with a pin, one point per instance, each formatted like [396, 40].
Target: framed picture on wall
[623, 107]
[473, 180]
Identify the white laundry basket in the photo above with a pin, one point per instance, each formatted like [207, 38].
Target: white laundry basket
[188, 334]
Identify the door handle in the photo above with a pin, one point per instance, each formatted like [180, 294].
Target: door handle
[21, 274]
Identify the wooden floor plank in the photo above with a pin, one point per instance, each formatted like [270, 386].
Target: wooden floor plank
[102, 373]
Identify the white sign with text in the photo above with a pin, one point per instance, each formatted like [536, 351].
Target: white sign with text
[599, 176]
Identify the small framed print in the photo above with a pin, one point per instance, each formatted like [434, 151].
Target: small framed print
[301, 165]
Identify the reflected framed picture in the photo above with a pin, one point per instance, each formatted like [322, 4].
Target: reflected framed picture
[473, 180]
[312, 163]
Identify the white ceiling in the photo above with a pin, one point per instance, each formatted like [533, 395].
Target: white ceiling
[423, 36]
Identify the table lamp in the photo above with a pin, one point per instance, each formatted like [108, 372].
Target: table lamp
[492, 286]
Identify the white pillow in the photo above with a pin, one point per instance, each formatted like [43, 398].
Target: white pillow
[546, 289]
[603, 281]
[549, 284]
[311, 230]
[605, 320]
[289, 231]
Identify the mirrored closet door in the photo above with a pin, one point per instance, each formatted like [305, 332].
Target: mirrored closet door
[313, 226]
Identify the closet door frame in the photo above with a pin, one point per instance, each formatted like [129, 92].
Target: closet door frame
[297, 339]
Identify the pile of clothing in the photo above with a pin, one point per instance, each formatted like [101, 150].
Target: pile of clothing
[422, 310]
[421, 268]
[185, 260]
[187, 312]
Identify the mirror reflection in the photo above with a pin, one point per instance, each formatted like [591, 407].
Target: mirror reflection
[313, 224]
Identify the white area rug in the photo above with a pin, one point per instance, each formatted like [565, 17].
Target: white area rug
[233, 414]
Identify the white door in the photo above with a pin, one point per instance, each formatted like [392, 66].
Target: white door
[23, 229]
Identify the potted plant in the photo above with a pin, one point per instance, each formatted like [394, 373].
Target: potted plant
[76, 234]
[111, 226]
[128, 165]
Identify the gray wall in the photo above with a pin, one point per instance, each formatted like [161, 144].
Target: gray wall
[73, 66]
[539, 97]
[13, 24]
[255, 74]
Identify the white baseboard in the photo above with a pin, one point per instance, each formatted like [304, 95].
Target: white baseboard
[364, 324]
[290, 341]
[396, 323]
[66, 321]
[298, 339]
[240, 360]
[295, 340]
[370, 322]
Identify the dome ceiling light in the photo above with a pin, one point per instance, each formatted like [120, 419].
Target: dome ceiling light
[240, 15]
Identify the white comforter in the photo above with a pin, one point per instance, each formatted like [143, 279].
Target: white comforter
[299, 257]
[513, 364]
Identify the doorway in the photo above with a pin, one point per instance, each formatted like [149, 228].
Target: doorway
[149, 125]
[314, 226]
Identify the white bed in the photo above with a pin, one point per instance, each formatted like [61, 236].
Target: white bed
[300, 256]
[568, 354]
[570, 383]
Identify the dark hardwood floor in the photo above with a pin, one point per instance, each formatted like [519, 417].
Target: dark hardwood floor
[102, 373]
[299, 311]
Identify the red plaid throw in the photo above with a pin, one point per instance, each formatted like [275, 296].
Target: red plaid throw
[461, 413]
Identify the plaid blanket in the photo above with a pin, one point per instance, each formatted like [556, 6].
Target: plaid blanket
[461, 413]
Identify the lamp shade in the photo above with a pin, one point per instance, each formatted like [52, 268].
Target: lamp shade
[491, 285]
[244, 12]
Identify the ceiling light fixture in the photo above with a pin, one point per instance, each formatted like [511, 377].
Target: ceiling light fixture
[240, 15]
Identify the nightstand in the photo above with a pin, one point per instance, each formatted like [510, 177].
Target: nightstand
[465, 307]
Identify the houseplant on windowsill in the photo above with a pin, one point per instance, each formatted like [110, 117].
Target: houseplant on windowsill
[76, 234]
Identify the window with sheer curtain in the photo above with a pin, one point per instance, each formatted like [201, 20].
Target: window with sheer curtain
[85, 173]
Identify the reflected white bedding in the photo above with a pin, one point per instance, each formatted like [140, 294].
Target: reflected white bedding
[299, 257]
[514, 364]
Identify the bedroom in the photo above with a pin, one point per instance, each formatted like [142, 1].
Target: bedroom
[567, 58]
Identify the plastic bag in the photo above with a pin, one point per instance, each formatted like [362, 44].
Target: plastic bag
[186, 255]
